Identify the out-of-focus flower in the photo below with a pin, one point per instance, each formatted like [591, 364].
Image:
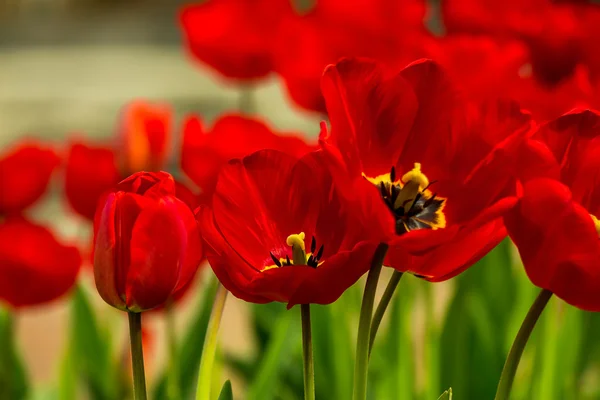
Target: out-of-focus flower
[144, 131]
[429, 170]
[34, 267]
[204, 153]
[277, 231]
[555, 223]
[234, 36]
[389, 31]
[147, 243]
[486, 68]
[92, 170]
[25, 172]
[558, 34]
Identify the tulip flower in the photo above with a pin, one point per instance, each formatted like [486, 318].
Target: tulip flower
[428, 168]
[25, 172]
[275, 231]
[35, 268]
[555, 223]
[147, 244]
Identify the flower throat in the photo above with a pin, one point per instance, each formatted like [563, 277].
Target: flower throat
[410, 200]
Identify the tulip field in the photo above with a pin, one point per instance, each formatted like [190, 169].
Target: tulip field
[400, 199]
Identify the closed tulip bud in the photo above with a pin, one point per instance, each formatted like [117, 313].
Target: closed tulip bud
[146, 243]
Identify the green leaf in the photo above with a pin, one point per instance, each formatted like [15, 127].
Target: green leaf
[14, 383]
[278, 349]
[91, 350]
[226, 391]
[190, 350]
[447, 395]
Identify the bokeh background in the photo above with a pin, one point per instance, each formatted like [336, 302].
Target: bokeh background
[67, 67]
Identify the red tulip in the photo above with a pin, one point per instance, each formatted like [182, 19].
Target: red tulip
[204, 153]
[560, 35]
[429, 169]
[388, 30]
[90, 172]
[234, 36]
[34, 267]
[147, 243]
[277, 231]
[144, 131]
[555, 223]
[25, 172]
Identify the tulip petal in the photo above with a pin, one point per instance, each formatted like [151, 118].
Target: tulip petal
[558, 243]
[157, 248]
[34, 267]
[24, 176]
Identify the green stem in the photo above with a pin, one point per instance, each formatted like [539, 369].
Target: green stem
[137, 356]
[210, 345]
[514, 356]
[307, 354]
[361, 366]
[383, 305]
[173, 389]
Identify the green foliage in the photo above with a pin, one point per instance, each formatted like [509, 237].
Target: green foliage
[89, 355]
[226, 391]
[189, 352]
[14, 383]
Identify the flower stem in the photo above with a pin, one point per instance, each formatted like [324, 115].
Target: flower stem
[307, 354]
[173, 390]
[137, 355]
[210, 345]
[361, 366]
[514, 356]
[383, 305]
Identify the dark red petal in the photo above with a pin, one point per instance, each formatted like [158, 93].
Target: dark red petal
[261, 200]
[34, 267]
[105, 248]
[441, 254]
[231, 270]
[24, 176]
[194, 253]
[157, 249]
[558, 243]
[433, 137]
[90, 173]
[371, 114]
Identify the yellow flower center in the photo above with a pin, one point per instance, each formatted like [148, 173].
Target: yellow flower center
[410, 200]
[299, 254]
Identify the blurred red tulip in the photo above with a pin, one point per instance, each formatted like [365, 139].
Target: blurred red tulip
[431, 171]
[388, 30]
[555, 223]
[25, 172]
[233, 36]
[204, 153]
[144, 132]
[277, 231]
[147, 243]
[34, 267]
[90, 172]
[559, 34]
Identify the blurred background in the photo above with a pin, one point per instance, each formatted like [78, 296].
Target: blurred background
[67, 67]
